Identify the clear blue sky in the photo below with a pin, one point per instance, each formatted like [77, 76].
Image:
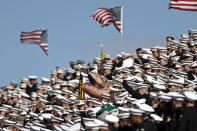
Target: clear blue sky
[73, 35]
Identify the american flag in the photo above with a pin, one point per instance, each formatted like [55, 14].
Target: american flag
[106, 16]
[189, 5]
[38, 37]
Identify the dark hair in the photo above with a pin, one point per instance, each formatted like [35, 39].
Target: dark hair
[139, 49]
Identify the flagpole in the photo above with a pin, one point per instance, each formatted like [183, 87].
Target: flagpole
[121, 39]
[47, 58]
[121, 43]
[47, 66]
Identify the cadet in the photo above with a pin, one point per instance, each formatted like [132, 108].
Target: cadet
[188, 122]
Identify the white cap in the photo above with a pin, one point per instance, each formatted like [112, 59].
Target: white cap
[34, 128]
[159, 86]
[124, 115]
[24, 80]
[45, 79]
[194, 64]
[123, 110]
[146, 108]
[60, 69]
[165, 98]
[128, 63]
[103, 95]
[111, 118]
[156, 118]
[136, 112]
[190, 96]
[8, 122]
[23, 85]
[53, 72]
[32, 77]
[177, 96]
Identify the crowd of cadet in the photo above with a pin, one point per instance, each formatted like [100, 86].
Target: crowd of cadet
[151, 90]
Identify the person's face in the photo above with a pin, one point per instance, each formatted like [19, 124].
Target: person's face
[53, 75]
[181, 69]
[139, 74]
[65, 105]
[116, 124]
[68, 117]
[104, 100]
[155, 71]
[138, 52]
[114, 95]
[190, 34]
[173, 88]
[162, 72]
[193, 48]
[169, 51]
[125, 73]
[20, 122]
[90, 104]
[119, 59]
[142, 91]
[130, 105]
[180, 50]
[189, 58]
[85, 71]
[15, 99]
[56, 124]
[44, 91]
[10, 101]
[67, 96]
[11, 128]
[149, 70]
[60, 76]
[187, 68]
[33, 81]
[163, 62]
[136, 119]
[155, 54]
[176, 104]
[3, 113]
[70, 88]
[45, 83]
[107, 71]
[154, 103]
[39, 91]
[122, 123]
[194, 70]
[82, 107]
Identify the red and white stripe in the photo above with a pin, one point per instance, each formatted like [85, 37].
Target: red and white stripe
[31, 37]
[118, 25]
[34, 37]
[189, 5]
[103, 16]
[44, 46]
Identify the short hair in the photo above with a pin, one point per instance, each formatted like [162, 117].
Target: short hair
[139, 49]
[169, 38]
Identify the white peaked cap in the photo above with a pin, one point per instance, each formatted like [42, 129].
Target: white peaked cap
[156, 117]
[111, 118]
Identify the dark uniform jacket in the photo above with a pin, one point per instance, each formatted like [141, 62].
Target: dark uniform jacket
[31, 89]
[175, 119]
[135, 94]
[189, 120]
[146, 125]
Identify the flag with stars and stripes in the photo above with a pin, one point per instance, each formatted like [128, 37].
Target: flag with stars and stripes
[106, 16]
[188, 5]
[38, 37]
